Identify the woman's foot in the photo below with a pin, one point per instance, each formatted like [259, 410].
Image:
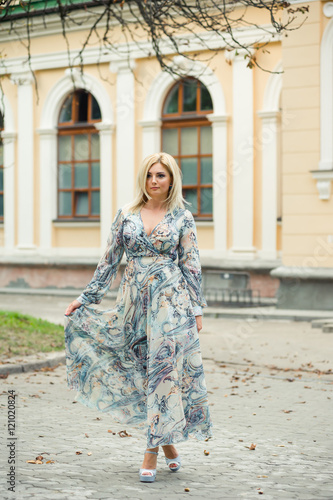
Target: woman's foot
[149, 461]
[170, 454]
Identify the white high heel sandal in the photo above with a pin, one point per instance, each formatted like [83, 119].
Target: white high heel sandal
[150, 477]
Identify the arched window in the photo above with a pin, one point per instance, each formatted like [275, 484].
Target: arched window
[79, 157]
[1, 169]
[187, 136]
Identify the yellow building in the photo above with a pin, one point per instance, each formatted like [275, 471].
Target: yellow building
[255, 149]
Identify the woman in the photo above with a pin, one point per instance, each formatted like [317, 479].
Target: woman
[140, 361]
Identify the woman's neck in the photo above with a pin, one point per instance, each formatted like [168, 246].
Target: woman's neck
[155, 204]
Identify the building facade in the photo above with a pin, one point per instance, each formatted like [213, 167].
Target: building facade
[255, 149]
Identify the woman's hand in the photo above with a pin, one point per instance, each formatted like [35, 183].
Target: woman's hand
[199, 322]
[74, 305]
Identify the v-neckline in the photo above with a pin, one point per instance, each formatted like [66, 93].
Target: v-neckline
[151, 232]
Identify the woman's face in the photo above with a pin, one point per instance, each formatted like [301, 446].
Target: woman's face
[158, 182]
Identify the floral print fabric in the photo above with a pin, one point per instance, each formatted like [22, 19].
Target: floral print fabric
[140, 362]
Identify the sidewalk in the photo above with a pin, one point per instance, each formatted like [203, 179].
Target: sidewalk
[270, 385]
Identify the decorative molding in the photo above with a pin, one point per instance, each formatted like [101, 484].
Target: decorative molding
[48, 153]
[22, 78]
[46, 132]
[218, 119]
[71, 224]
[326, 100]
[270, 116]
[328, 9]
[122, 66]
[8, 137]
[90, 55]
[243, 159]
[324, 179]
[237, 54]
[9, 162]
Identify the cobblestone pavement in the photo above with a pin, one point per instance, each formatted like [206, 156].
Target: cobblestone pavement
[270, 387]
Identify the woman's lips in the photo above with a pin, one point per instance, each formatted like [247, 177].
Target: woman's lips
[155, 187]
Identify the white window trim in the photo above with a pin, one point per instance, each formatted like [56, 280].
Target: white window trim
[9, 139]
[48, 153]
[269, 116]
[151, 129]
[324, 174]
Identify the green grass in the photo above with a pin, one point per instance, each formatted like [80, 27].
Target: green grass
[21, 335]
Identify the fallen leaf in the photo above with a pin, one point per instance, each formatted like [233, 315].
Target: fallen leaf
[287, 411]
[206, 452]
[78, 452]
[50, 462]
[86, 435]
[39, 457]
[252, 447]
[186, 489]
[124, 434]
[89, 453]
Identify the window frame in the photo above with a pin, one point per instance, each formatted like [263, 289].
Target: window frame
[74, 128]
[186, 119]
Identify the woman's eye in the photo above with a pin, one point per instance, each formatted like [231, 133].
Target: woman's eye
[161, 175]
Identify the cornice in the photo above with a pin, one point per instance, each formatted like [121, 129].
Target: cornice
[91, 55]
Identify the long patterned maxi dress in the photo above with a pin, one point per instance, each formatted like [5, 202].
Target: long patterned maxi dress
[140, 362]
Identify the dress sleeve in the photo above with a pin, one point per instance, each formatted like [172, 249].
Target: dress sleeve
[189, 262]
[108, 265]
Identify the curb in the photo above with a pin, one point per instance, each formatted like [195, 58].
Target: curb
[265, 314]
[52, 360]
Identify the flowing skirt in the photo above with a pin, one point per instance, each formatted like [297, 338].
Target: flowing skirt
[140, 362]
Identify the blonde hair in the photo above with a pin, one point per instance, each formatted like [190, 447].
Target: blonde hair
[175, 198]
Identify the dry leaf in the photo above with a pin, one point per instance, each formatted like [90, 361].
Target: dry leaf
[78, 452]
[252, 447]
[39, 457]
[50, 462]
[31, 461]
[124, 434]
[86, 435]
[186, 489]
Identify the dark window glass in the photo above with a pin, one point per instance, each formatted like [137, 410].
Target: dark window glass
[95, 112]
[190, 95]
[82, 105]
[206, 100]
[171, 103]
[66, 110]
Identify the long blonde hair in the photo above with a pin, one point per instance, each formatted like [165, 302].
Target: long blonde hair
[175, 197]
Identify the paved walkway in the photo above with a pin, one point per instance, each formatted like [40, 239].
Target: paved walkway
[270, 385]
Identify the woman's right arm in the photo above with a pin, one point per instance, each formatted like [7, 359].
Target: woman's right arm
[106, 269]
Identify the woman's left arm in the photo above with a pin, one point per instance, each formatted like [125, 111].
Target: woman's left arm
[189, 263]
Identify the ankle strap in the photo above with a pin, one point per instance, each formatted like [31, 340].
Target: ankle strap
[154, 452]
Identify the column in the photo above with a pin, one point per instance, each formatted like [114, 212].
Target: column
[9, 139]
[220, 182]
[105, 136]
[151, 137]
[125, 138]
[25, 163]
[242, 176]
[48, 186]
[269, 141]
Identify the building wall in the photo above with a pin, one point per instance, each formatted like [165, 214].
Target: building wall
[283, 115]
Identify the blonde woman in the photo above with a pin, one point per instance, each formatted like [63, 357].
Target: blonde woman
[140, 362]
